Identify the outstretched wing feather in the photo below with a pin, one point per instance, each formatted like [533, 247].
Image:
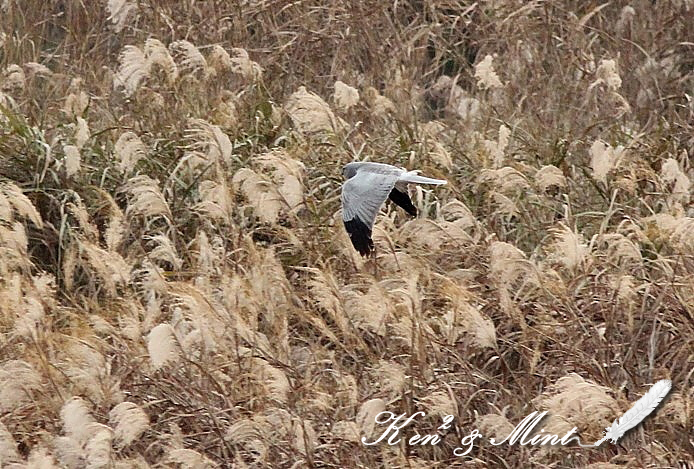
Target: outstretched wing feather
[363, 195]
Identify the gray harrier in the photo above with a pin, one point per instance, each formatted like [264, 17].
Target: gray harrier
[368, 185]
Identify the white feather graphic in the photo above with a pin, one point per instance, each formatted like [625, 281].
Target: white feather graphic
[638, 411]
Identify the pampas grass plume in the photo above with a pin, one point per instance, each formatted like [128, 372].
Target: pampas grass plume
[162, 345]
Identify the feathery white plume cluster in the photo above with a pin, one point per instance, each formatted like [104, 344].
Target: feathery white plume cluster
[456, 99]
[212, 145]
[261, 194]
[574, 402]
[626, 18]
[496, 149]
[548, 176]
[671, 173]
[120, 12]
[604, 159]
[607, 74]
[282, 190]
[13, 201]
[110, 268]
[35, 69]
[440, 403]
[216, 201]
[569, 247]
[77, 100]
[136, 64]
[13, 79]
[288, 175]
[77, 420]
[381, 106]
[146, 198]
[7, 102]
[366, 417]
[486, 75]
[242, 64]
[189, 459]
[129, 149]
[72, 160]
[8, 447]
[164, 250]
[226, 113]
[345, 97]
[162, 345]
[507, 180]
[159, 58]
[129, 421]
[82, 133]
[134, 68]
[189, 58]
[309, 113]
[370, 311]
[18, 380]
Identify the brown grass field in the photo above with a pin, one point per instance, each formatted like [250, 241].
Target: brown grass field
[176, 285]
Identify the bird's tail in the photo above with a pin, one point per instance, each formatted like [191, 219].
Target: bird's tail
[413, 177]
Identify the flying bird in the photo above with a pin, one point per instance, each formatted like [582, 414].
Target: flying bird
[367, 186]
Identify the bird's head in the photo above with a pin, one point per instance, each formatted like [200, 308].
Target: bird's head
[350, 169]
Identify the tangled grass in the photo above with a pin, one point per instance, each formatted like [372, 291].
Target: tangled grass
[176, 286]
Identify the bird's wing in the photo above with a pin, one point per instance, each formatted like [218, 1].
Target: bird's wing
[362, 197]
[400, 196]
[414, 178]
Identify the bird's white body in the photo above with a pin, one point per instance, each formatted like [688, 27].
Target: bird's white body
[367, 187]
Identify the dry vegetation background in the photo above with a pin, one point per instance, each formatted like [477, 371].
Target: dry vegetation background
[176, 286]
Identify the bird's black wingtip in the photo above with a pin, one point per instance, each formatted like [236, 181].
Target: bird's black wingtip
[360, 235]
[403, 200]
